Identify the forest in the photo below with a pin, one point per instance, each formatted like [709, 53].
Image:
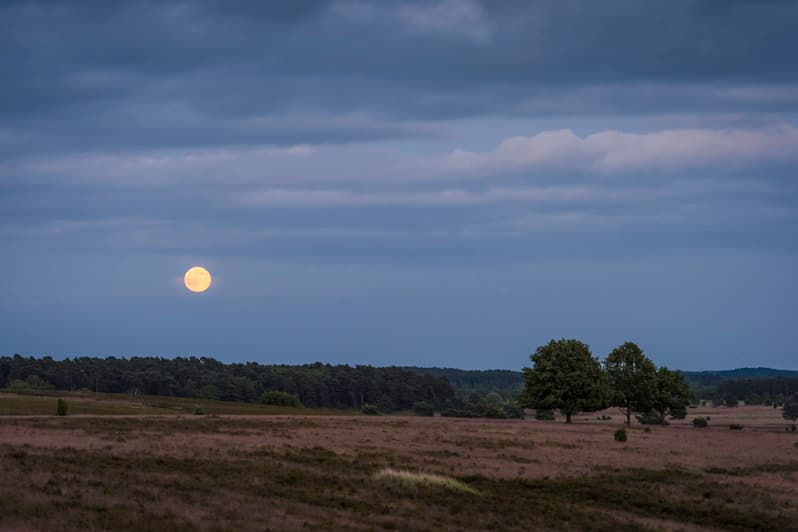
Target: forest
[315, 385]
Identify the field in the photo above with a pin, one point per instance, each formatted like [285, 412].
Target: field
[121, 463]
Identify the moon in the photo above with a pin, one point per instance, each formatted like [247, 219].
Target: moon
[197, 279]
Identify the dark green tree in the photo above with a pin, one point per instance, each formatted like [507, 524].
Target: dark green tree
[632, 378]
[790, 410]
[278, 398]
[564, 376]
[673, 394]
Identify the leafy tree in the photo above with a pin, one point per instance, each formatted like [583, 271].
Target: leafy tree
[278, 398]
[564, 376]
[210, 391]
[790, 410]
[494, 399]
[632, 378]
[673, 394]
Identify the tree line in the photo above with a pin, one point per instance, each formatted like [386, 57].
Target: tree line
[565, 376]
[764, 391]
[466, 382]
[314, 385]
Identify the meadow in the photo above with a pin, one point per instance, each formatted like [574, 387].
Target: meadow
[150, 463]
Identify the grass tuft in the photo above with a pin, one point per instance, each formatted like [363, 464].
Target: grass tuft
[426, 479]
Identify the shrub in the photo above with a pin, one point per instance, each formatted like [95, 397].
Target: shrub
[731, 401]
[278, 398]
[700, 423]
[544, 415]
[61, 407]
[198, 411]
[620, 435]
[423, 408]
[792, 427]
[679, 413]
[735, 426]
[370, 410]
[651, 418]
[513, 412]
[647, 429]
[795, 445]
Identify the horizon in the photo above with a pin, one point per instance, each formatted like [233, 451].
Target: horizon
[334, 363]
[446, 183]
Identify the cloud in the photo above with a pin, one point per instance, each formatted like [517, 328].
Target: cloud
[611, 150]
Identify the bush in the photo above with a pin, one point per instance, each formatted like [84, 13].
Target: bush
[370, 410]
[61, 407]
[278, 398]
[513, 412]
[647, 429]
[700, 423]
[651, 418]
[792, 427]
[620, 435]
[199, 411]
[679, 413]
[423, 408]
[544, 415]
[735, 426]
[731, 401]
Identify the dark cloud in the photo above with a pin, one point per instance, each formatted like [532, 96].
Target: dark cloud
[91, 64]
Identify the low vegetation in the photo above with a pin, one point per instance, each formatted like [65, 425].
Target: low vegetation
[700, 422]
[182, 472]
[426, 479]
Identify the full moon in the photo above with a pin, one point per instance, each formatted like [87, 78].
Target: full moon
[197, 279]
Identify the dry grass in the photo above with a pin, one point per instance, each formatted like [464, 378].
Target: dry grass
[425, 479]
[355, 472]
[104, 404]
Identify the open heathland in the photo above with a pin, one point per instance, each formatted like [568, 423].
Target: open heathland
[259, 470]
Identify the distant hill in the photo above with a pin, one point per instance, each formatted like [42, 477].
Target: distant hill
[741, 373]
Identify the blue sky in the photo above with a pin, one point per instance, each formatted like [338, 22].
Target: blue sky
[447, 183]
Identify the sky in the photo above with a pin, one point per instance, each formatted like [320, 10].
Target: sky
[439, 183]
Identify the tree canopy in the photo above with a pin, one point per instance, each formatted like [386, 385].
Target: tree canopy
[673, 395]
[632, 378]
[564, 376]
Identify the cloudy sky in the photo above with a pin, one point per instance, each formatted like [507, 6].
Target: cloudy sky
[447, 183]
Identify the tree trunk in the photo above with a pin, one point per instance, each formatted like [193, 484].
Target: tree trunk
[628, 417]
